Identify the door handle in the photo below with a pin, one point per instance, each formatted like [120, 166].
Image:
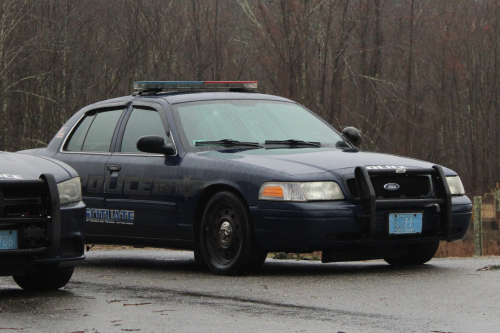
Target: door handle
[114, 168]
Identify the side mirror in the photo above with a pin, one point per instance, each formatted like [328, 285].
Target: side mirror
[155, 144]
[352, 134]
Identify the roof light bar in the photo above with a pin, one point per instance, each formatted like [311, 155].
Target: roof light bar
[194, 85]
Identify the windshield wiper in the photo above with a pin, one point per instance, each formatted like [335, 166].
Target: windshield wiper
[293, 142]
[227, 143]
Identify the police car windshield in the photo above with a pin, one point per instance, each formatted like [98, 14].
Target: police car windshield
[250, 121]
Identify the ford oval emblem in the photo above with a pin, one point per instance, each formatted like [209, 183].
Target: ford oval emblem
[391, 187]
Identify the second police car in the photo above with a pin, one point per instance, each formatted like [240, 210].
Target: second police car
[41, 221]
[233, 174]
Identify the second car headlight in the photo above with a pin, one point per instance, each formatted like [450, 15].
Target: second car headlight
[310, 191]
[70, 191]
[455, 185]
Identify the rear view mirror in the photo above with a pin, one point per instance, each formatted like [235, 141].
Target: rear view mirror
[155, 144]
[352, 134]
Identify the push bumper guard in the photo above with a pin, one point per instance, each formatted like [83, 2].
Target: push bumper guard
[50, 251]
[370, 203]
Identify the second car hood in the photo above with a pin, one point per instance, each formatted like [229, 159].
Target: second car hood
[317, 160]
[15, 166]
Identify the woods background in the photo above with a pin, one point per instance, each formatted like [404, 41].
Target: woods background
[419, 78]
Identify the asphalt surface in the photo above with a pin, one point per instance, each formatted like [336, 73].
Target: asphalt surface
[144, 290]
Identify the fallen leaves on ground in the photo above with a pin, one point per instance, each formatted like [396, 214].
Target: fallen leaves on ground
[489, 268]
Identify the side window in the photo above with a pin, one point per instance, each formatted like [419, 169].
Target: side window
[94, 133]
[141, 122]
[75, 142]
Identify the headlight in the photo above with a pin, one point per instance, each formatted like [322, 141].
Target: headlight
[455, 185]
[70, 191]
[311, 191]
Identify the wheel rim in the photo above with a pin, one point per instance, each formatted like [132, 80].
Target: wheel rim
[223, 235]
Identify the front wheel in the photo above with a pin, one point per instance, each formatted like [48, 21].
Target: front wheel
[227, 240]
[417, 254]
[198, 259]
[45, 278]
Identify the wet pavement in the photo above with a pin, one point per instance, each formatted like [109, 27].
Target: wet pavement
[144, 290]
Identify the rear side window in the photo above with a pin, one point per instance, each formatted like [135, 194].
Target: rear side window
[141, 122]
[76, 141]
[94, 132]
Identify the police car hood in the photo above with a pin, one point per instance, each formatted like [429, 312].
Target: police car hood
[316, 160]
[14, 166]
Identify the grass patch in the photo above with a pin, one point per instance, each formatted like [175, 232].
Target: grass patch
[295, 256]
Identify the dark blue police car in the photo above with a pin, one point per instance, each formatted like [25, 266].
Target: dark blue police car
[233, 174]
[41, 221]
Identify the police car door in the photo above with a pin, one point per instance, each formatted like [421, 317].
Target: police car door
[140, 187]
[87, 148]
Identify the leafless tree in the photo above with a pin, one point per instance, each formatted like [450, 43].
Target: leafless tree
[418, 78]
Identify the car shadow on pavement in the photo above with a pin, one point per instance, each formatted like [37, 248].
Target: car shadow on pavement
[186, 265]
[153, 264]
[13, 293]
[294, 268]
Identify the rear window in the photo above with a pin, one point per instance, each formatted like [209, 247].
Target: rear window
[94, 132]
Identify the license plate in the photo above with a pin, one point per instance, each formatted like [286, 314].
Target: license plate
[8, 239]
[405, 223]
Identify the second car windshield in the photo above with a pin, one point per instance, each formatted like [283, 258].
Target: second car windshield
[250, 121]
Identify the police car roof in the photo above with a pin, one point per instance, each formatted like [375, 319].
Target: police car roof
[182, 97]
[193, 96]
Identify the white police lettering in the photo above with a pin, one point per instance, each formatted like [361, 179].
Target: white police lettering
[7, 176]
[390, 167]
[110, 216]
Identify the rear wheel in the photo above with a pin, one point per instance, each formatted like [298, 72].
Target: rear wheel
[227, 240]
[417, 254]
[46, 278]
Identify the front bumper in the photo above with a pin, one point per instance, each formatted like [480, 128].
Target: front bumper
[344, 225]
[63, 233]
[304, 227]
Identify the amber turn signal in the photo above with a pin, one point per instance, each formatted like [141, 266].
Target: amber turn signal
[273, 191]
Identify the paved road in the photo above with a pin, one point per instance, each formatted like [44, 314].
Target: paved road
[161, 291]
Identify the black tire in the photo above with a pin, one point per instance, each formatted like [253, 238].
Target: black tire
[46, 278]
[199, 260]
[227, 240]
[418, 254]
